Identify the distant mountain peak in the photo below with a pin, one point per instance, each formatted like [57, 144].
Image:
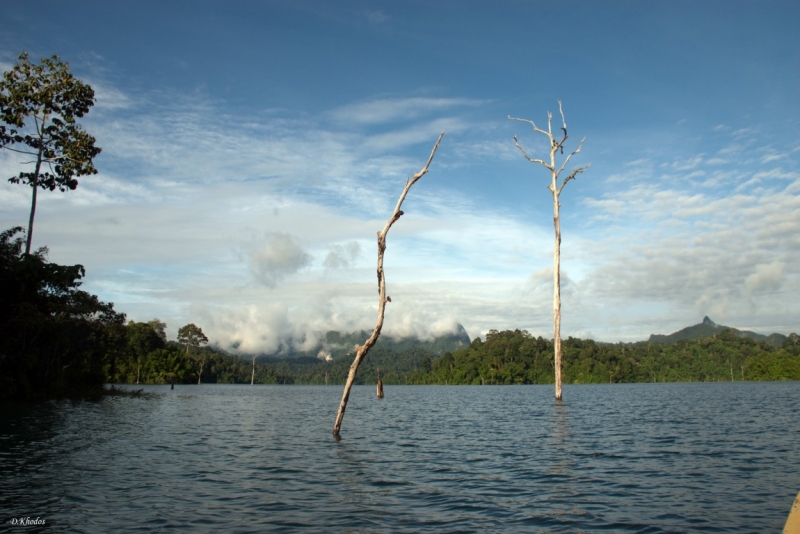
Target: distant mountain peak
[709, 328]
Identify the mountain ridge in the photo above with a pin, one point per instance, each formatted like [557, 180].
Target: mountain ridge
[708, 328]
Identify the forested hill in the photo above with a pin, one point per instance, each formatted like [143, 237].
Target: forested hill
[516, 357]
[509, 357]
[709, 328]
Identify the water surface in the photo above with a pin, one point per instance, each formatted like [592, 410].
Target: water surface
[615, 458]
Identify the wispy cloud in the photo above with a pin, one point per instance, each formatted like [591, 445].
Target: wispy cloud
[404, 109]
[262, 227]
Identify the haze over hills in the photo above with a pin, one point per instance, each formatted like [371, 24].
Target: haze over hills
[709, 328]
[338, 344]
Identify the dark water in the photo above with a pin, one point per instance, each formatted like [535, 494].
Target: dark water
[621, 458]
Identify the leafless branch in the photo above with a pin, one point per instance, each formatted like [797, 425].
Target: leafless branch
[535, 128]
[555, 147]
[560, 144]
[563, 165]
[20, 151]
[529, 158]
[362, 350]
[572, 176]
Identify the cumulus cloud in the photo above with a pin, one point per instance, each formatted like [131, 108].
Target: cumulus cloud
[767, 277]
[543, 278]
[342, 256]
[249, 329]
[280, 257]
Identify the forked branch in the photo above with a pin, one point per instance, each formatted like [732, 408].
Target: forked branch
[572, 176]
[362, 350]
[556, 146]
[532, 160]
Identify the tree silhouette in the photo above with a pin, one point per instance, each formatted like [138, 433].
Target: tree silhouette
[38, 106]
[192, 336]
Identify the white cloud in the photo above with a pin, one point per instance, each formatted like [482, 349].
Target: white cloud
[342, 256]
[767, 277]
[769, 158]
[280, 257]
[688, 164]
[192, 206]
[404, 109]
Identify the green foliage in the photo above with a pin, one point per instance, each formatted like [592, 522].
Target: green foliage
[509, 357]
[54, 338]
[708, 328]
[191, 335]
[516, 357]
[38, 108]
[51, 98]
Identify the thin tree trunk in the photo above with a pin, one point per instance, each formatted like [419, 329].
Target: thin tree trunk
[200, 372]
[36, 190]
[362, 350]
[556, 146]
[557, 294]
[253, 376]
[138, 366]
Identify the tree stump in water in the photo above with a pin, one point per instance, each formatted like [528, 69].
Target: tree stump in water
[380, 388]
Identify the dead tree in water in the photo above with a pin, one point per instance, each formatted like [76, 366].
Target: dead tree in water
[555, 147]
[379, 390]
[362, 350]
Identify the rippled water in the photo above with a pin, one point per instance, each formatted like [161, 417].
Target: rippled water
[211, 458]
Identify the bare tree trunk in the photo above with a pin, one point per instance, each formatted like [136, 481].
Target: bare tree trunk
[362, 350]
[557, 295]
[138, 366]
[253, 376]
[200, 372]
[556, 146]
[36, 189]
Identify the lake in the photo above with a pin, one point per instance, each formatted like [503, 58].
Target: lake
[697, 457]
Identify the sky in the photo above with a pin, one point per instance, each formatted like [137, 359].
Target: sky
[252, 150]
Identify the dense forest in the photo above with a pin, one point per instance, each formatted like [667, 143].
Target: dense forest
[509, 357]
[56, 340]
[516, 357]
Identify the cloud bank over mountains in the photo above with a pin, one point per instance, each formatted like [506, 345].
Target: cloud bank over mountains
[261, 228]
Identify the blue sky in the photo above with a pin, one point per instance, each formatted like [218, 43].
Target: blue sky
[251, 150]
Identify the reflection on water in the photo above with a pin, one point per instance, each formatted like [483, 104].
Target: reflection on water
[621, 458]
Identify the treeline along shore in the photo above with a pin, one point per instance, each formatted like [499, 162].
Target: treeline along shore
[508, 357]
[56, 340]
